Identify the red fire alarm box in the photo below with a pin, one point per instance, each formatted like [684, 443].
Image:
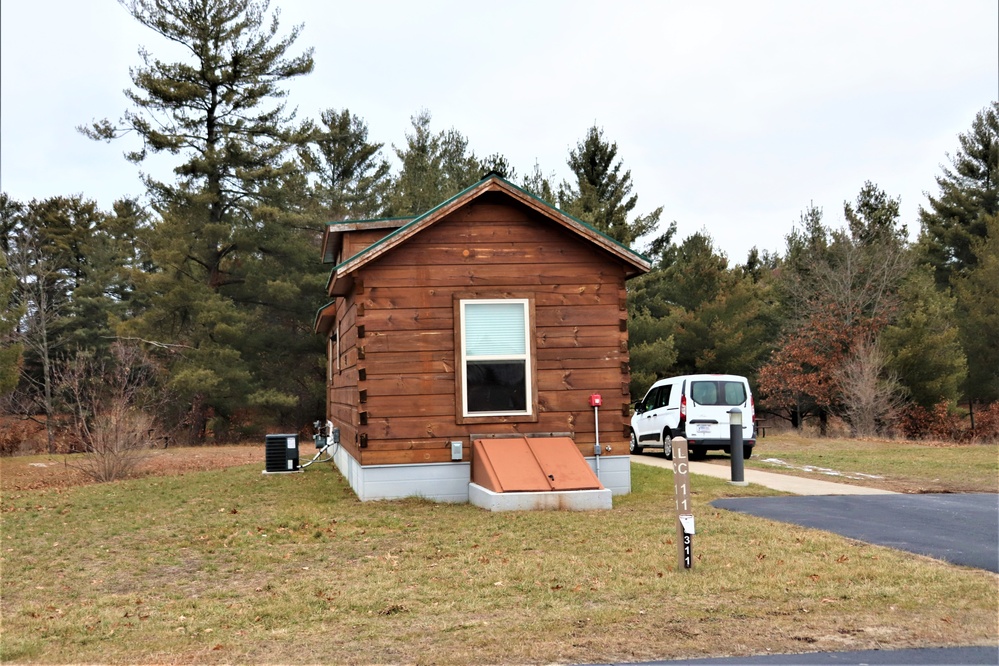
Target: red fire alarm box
[595, 400]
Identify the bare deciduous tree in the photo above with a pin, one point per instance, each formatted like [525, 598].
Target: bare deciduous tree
[869, 396]
[106, 397]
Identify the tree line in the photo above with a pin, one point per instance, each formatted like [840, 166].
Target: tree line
[214, 276]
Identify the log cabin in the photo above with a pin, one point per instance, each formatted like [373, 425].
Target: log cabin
[492, 316]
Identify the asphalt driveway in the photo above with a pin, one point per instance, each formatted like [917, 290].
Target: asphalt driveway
[963, 656]
[958, 528]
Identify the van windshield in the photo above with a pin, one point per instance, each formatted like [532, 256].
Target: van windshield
[718, 392]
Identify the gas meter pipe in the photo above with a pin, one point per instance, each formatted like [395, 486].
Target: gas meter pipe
[595, 402]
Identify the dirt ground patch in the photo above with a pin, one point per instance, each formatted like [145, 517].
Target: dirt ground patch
[42, 472]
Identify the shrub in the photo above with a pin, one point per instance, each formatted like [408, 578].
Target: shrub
[940, 423]
[987, 423]
[106, 399]
[13, 434]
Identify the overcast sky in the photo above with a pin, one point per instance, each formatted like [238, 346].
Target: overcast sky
[734, 115]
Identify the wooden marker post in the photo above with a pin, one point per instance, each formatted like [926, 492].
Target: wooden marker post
[684, 512]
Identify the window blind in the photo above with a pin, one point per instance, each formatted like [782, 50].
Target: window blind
[495, 329]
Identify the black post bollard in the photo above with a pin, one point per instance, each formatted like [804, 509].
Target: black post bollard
[736, 446]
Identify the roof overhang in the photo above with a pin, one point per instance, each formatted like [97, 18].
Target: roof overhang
[325, 318]
[333, 232]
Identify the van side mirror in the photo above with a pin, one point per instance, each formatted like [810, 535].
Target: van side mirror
[639, 408]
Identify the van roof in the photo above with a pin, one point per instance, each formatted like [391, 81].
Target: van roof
[704, 376]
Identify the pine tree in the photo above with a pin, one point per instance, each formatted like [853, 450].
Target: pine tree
[353, 177]
[220, 109]
[233, 244]
[601, 195]
[922, 346]
[839, 288]
[73, 266]
[41, 292]
[977, 293]
[651, 292]
[958, 238]
[435, 167]
[650, 348]
[540, 185]
[874, 217]
[695, 273]
[969, 193]
[732, 333]
[94, 253]
[11, 311]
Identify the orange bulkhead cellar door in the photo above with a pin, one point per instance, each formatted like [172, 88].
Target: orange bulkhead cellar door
[531, 464]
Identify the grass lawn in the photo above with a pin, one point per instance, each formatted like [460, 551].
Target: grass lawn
[232, 566]
[902, 466]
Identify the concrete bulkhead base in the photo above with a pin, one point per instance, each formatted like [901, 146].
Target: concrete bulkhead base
[568, 500]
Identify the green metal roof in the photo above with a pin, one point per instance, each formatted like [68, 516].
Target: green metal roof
[319, 313]
[370, 220]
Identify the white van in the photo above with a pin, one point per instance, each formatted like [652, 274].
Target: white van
[695, 407]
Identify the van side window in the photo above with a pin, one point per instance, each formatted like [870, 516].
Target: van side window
[664, 392]
[651, 399]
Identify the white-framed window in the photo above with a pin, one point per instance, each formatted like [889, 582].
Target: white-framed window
[496, 364]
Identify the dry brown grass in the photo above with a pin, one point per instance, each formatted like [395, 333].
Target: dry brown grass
[231, 566]
[40, 472]
[898, 465]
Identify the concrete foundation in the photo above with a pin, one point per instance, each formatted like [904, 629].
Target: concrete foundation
[450, 482]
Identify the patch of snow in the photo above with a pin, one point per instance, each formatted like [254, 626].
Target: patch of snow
[856, 476]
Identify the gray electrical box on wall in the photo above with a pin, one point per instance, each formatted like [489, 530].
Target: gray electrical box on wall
[456, 451]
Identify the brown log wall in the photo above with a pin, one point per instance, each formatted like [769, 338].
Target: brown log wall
[341, 400]
[394, 397]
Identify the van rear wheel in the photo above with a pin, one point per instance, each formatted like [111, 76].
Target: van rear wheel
[667, 445]
[747, 452]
